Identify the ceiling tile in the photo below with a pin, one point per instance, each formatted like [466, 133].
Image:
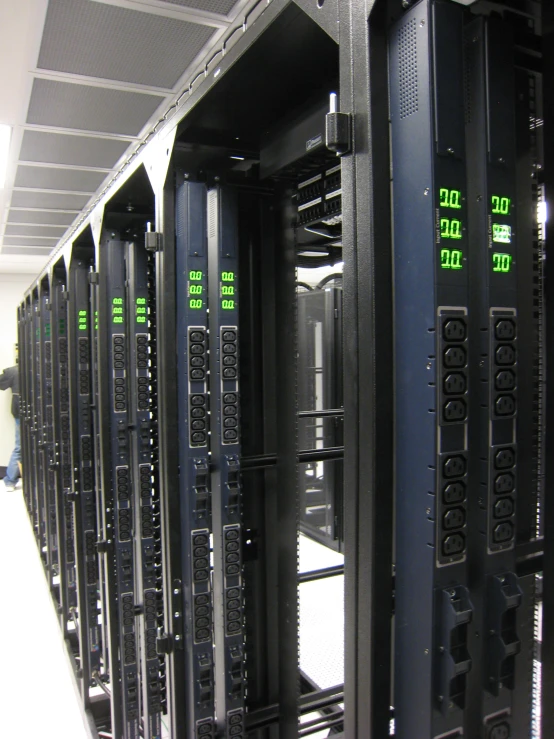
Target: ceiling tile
[56, 201]
[223, 7]
[29, 251]
[100, 40]
[32, 230]
[53, 178]
[87, 108]
[41, 216]
[58, 148]
[30, 241]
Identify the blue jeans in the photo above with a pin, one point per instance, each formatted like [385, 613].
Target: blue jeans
[13, 467]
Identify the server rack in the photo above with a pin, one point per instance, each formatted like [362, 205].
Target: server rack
[268, 234]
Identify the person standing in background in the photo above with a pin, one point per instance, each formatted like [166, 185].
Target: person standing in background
[10, 379]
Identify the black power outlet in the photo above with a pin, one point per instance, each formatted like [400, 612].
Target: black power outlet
[503, 532]
[500, 731]
[454, 467]
[454, 329]
[505, 355]
[454, 492]
[505, 380]
[453, 544]
[504, 483]
[455, 518]
[454, 410]
[503, 508]
[504, 459]
[505, 405]
[455, 357]
[454, 384]
[505, 330]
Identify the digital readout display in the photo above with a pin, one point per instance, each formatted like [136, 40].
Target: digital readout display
[451, 228]
[117, 310]
[227, 289]
[501, 206]
[501, 233]
[451, 259]
[140, 310]
[450, 198]
[501, 262]
[195, 275]
[82, 320]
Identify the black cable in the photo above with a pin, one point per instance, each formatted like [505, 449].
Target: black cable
[304, 285]
[96, 676]
[325, 280]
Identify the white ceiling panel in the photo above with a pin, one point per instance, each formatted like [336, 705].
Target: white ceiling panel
[26, 251]
[89, 108]
[30, 241]
[114, 43]
[48, 200]
[223, 7]
[82, 82]
[83, 151]
[56, 178]
[32, 230]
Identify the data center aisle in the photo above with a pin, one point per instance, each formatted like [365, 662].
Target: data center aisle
[37, 697]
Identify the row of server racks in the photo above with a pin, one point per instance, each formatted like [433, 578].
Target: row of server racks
[315, 306]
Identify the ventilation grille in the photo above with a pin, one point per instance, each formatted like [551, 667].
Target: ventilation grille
[407, 69]
[212, 212]
[57, 148]
[49, 200]
[118, 44]
[468, 76]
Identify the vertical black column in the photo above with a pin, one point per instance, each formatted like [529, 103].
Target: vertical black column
[495, 591]
[117, 485]
[147, 533]
[433, 611]
[82, 461]
[194, 478]
[225, 450]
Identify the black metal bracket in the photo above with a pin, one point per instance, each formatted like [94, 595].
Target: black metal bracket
[153, 241]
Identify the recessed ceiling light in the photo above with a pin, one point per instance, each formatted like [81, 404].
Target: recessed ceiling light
[5, 135]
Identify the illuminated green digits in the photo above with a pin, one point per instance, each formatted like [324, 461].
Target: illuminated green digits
[500, 206]
[451, 259]
[501, 262]
[501, 233]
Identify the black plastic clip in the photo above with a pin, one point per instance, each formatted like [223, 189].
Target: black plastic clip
[338, 129]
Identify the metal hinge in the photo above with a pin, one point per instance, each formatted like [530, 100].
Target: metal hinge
[93, 278]
[338, 129]
[153, 241]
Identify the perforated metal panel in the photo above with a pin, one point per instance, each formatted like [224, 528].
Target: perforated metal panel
[18, 230]
[57, 148]
[28, 251]
[87, 108]
[50, 178]
[407, 68]
[30, 241]
[118, 44]
[223, 7]
[47, 200]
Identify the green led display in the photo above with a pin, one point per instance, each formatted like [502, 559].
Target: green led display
[117, 310]
[140, 310]
[195, 275]
[227, 290]
[501, 233]
[501, 206]
[47, 331]
[195, 303]
[228, 304]
[451, 228]
[196, 289]
[62, 326]
[501, 262]
[82, 320]
[96, 320]
[451, 259]
[227, 277]
[450, 198]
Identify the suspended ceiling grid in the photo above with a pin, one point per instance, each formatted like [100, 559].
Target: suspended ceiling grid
[82, 82]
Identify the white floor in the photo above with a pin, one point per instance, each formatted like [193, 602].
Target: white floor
[37, 697]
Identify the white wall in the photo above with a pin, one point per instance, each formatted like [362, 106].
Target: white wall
[12, 287]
